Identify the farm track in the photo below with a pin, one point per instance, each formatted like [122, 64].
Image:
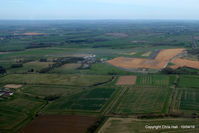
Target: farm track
[171, 105]
[114, 101]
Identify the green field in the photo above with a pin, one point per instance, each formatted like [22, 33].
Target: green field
[187, 81]
[54, 79]
[187, 100]
[92, 100]
[47, 90]
[143, 99]
[35, 65]
[14, 112]
[154, 80]
[130, 125]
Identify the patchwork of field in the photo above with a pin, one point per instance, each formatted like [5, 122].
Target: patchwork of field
[147, 96]
[130, 125]
[90, 100]
[126, 80]
[59, 124]
[184, 63]
[159, 62]
[54, 79]
[16, 111]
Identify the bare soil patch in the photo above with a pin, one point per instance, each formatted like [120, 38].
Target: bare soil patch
[159, 62]
[13, 86]
[126, 80]
[146, 54]
[122, 35]
[59, 124]
[184, 63]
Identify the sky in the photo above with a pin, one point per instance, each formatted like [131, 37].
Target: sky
[98, 9]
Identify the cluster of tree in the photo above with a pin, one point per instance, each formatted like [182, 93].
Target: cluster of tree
[43, 45]
[61, 61]
[2, 70]
[180, 70]
[194, 52]
[51, 97]
[17, 65]
[87, 40]
[43, 60]
[94, 127]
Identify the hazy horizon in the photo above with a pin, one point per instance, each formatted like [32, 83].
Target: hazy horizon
[99, 10]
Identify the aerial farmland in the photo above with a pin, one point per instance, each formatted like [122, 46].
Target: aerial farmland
[99, 77]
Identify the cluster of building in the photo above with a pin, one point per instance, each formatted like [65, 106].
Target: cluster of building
[5, 93]
[88, 61]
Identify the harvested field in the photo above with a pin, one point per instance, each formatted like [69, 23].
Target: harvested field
[59, 124]
[13, 86]
[32, 34]
[117, 34]
[159, 62]
[126, 80]
[184, 63]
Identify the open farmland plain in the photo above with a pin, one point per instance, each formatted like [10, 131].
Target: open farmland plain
[94, 76]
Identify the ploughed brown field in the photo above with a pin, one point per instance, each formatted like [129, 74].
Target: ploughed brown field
[159, 62]
[184, 63]
[32, 34]
[126, 80]
[59, 124]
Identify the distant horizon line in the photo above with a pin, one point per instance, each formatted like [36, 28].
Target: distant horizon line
[98, 19]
